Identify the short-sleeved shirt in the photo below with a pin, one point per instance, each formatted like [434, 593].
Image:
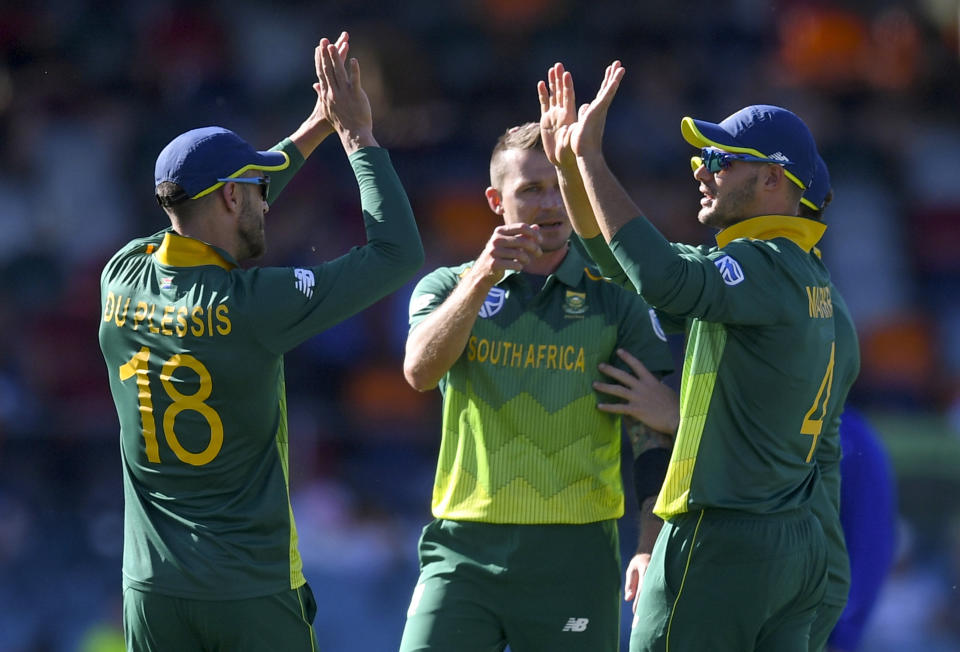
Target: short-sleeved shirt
[194, 351]
[758, 365]
[523, 441]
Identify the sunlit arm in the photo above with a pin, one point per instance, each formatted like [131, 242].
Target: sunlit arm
[434, 345]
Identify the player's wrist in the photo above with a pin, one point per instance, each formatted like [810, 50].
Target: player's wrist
[354, 139]
[478, 281]
[309, 136]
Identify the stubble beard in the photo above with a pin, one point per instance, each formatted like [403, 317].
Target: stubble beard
[251, 232]
[731, 208]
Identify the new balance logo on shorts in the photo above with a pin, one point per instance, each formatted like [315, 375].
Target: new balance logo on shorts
[576, 625]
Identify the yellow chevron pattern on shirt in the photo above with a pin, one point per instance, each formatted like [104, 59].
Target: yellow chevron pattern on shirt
[523, 464]
[701, 361]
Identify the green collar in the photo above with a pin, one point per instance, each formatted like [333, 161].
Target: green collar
[802, 232]
[181, 251]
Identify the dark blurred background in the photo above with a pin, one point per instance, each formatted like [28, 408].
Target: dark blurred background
[91, 91]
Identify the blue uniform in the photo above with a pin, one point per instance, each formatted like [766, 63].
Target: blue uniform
[867, 512]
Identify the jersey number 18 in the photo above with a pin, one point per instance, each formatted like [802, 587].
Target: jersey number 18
[138, 366]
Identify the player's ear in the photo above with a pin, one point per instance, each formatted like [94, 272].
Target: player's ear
[494, 200]
[230, 195]
[772, 176]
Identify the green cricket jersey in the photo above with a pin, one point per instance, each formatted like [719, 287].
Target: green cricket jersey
[194, 350]
[523, 441]
[759, 363]
[826, 501]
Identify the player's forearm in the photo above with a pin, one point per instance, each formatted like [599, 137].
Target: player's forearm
[649, 525]
[599, 251]
[309, 135]
[280, 178]
[577, 202]
[436, 343]
[396, 249]
[611, 204]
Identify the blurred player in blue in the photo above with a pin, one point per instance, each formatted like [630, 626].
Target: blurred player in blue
[867, 512]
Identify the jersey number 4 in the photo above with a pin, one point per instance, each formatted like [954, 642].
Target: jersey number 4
[138, 367]
[814, 426]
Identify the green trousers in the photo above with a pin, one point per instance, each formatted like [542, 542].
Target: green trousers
[160, 623]
[538, 588]
[729, 581]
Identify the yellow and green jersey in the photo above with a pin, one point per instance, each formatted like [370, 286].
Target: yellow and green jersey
[523, 441]
[194, 350]
[759, 363]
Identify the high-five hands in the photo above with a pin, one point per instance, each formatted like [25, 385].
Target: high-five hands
[563, 133]
[340, 94]
[316, 127]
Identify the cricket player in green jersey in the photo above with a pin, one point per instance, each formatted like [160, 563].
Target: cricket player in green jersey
[741, 561]
[636, 391]
[194, 348]
[524, 547]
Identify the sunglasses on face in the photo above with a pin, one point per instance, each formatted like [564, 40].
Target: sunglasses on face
[263, 182]
[715, 159]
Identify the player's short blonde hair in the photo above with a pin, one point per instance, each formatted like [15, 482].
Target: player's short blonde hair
[525, 136]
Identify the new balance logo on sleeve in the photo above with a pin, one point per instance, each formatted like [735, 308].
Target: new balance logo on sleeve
[576, 625]
[305, 281]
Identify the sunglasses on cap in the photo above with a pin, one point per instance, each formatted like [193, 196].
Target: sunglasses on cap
[263, 182]
[717, 159]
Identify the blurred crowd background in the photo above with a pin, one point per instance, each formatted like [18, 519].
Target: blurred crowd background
[91, 91]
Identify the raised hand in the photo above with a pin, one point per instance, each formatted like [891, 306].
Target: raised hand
[557, 113]
[316, 127]
[586, 136]
[344, 102]
[646, 399]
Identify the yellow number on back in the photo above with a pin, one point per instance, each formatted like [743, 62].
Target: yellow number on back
[814, 426]
[138, 365]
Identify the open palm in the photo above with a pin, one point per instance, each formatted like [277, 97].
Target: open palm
[586, 134]
[557, 114]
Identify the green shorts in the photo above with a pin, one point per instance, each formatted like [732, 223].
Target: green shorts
[161, 623]
[540, 588]
[729, 581]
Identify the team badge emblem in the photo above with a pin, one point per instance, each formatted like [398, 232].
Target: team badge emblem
[730, 270]
[493, 303]
[575, 303]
